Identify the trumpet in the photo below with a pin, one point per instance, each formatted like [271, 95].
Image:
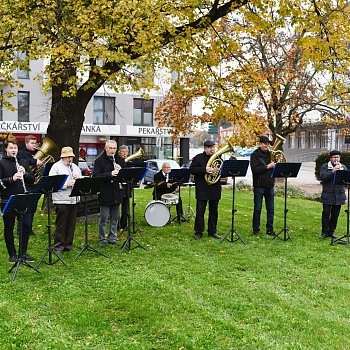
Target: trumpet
[22, 178]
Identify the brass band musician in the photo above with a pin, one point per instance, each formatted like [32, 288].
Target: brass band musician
[110, 196]
[263, 184]
[205, 193]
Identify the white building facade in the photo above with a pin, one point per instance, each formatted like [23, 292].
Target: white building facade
[128, 118]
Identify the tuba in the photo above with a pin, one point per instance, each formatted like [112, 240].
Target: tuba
[44, 154]
[139, 154]
[216, 162]
[276, 154]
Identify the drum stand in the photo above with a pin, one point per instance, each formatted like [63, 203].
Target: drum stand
[179, 214]
[189, 210]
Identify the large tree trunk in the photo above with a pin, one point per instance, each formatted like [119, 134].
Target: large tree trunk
[66, 120]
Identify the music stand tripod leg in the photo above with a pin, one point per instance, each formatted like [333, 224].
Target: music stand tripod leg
[50, 250]
[130, 238]
[233, 230]
[87, 246]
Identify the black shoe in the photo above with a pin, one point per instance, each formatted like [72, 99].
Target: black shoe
[271, 233]
[28, 258]
[12, 259]
[198, 235]
[255, 233]
[67, 249]
[324, 235]
[112, 242]
[214, 235]
[332, 235]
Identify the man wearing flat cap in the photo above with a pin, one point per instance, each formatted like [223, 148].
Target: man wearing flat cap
[333, 196]
[263, 184]
[205, 193]
[66, 207]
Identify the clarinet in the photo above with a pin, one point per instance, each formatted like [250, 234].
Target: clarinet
[22, 179]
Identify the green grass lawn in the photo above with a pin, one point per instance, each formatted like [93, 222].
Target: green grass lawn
[185, 294]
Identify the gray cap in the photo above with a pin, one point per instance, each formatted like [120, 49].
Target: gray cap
[209, 143]
[264, 139]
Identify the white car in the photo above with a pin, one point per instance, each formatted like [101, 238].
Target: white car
[154, 165]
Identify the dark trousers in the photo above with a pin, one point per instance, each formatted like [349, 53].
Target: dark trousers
[259, 194]
[212, 218]
[9, 224]
[66, 217]
[330, 214]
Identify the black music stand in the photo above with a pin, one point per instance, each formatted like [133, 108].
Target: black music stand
[233, 168]
[342, 177]
[47, 185]
[130, 176]
[84, 187]
[179, 177]
[21, 204]
[285, 170]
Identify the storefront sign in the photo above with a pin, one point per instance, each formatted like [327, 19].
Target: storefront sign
[23, 127]
[91, 129]
[41, 128]
[147, 131]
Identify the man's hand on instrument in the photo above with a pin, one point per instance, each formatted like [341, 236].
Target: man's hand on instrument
[270, 165]
[39, 162]
[209, 169]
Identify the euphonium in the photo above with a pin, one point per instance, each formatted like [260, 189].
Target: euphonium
[216, 162]
[44, 154]
[139, 154]
[276, 154]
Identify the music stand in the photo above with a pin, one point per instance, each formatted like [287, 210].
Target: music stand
[47, 185]
[342, 177]
[179, 177]
[285, 170]
[130, 176]
[87, 186]
[21, 204]
[233, 168]
[189, 210]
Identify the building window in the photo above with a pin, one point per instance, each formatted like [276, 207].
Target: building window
[23, 106]
[22, 72]
[291, 142]
[143, 112]
[302, 139]
[312, 140]
[324, 139]
[104, 110]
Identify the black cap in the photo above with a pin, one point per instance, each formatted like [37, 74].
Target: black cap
[334, 153]
[209, 143]
[264, 139]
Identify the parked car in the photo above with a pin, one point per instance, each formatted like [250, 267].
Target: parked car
[154, 165]
[83, 166]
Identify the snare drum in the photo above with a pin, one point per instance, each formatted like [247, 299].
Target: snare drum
[157, 213]
[170, 198]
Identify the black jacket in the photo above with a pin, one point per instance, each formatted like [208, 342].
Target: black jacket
[203, 190]
[331, 194]
[162, 188]
[7, 170]
[27, 156]
[261, 176]
[110, 190]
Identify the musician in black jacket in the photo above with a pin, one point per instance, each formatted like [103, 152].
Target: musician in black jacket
[205, 193]
[14, 177]
[263, 184]
[162, 184]
[27, 154]
[110, 196]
